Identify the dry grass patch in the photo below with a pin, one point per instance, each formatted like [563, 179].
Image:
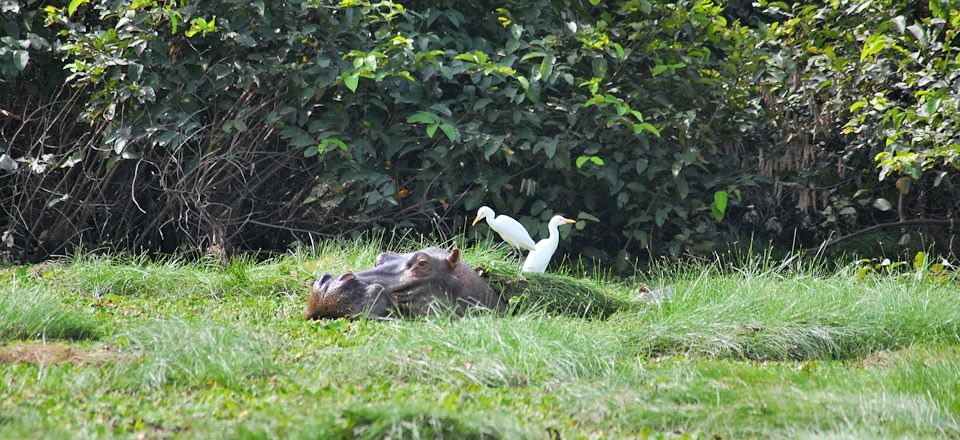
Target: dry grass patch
[57, 353]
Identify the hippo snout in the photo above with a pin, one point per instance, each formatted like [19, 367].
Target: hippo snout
[326, 283]
[344, 295]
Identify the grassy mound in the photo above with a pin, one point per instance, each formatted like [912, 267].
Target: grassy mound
[796, 318]
[554, 294]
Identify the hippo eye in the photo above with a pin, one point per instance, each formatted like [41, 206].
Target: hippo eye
[422, 263]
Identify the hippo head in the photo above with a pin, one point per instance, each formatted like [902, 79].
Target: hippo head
[401, 284]
[345, 296]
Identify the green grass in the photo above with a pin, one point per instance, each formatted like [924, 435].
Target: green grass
[800, 317]
[193, 353]
[34, 313]
[760, 349]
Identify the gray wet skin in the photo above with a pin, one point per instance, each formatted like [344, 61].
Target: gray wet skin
[410, 284]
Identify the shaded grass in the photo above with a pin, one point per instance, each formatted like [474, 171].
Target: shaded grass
[546, 293]
[35, 313]
[180, 352]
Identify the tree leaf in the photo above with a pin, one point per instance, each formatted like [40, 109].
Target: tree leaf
[939, 178]
[74, 4]
[619, 49]
[900, 22]
[658, 69]
[325, 144]
[431, 130]
[7, 163]
[537, 207]
[932, 105]
[882, 204]
[641, 165]
[450, 131]
[719, 207]
[582, 160]
[423, 118]
[903, 184]
[661, 215]
[533, 92]
[546, 66]
[491, 148]
[586, 216]
[920, 260]
[532, 55]
[646, 126]
[523, 82]
[874, 44]
[351, 81]
[550, 147]
[20, 59]
[646, 7]
[683, 188]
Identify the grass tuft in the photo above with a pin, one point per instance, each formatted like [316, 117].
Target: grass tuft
[487, 350]
[181, 352]
[34, 313]
[796, 318]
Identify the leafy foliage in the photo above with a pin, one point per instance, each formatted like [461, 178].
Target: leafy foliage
[860, 91]
[231, 124]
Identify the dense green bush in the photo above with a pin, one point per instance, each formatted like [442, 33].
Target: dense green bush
[665, 127]
[860, 90]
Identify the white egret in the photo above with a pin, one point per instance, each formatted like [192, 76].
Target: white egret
[510, 230]
[538, 259]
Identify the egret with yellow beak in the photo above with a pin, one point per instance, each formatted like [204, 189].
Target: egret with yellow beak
[538, 259]
[510, 230]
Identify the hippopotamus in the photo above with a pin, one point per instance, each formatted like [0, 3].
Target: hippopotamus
[410, 284]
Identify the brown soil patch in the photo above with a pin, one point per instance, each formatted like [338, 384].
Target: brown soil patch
[61, 354]
[881, 359]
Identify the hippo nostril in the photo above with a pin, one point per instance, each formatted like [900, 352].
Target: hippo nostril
[326, 277]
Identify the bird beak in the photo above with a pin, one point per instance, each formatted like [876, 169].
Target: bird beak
[568, 221]
[476, 220]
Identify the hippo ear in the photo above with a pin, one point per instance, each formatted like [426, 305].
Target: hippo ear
[453, 259]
